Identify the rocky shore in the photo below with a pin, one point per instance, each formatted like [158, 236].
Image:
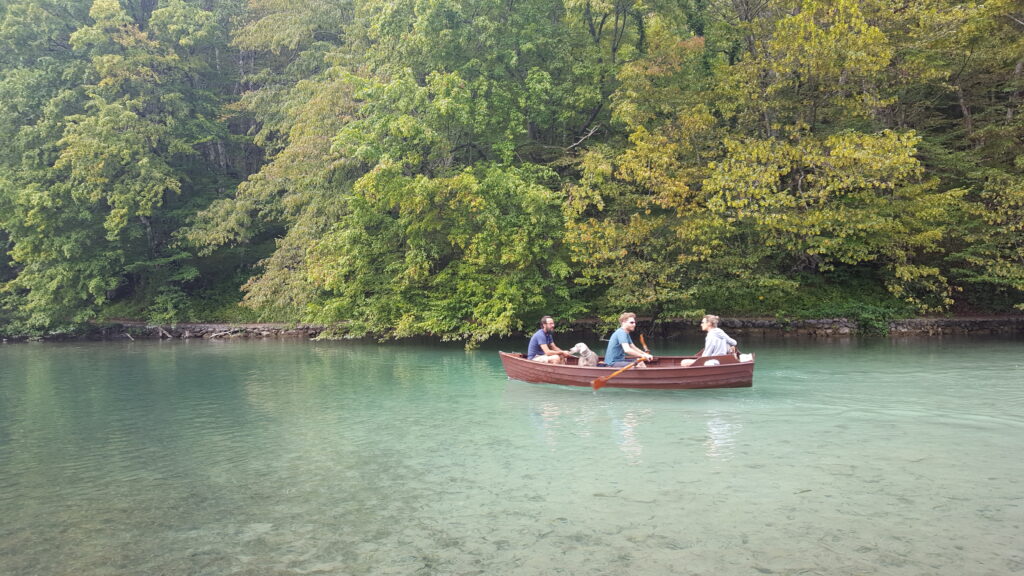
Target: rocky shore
[143, 331]
[842, 327]
[822, 328]
[911, 326]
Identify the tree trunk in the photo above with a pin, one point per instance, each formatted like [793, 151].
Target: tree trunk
[1018, 89]
[148, 225]
[965, 110]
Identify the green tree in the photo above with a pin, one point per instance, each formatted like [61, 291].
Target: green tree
[38, 87]
[445, 106]
[97, 215]
[296, 101]
[774, 170]
[973, 136]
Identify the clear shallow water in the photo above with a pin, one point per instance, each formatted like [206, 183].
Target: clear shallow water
[277, 457]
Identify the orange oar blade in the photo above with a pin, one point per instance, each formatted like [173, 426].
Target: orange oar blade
[604, 379]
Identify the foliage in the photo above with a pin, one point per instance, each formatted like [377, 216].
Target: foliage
[109, 121]
[458, 168]
[994, 253]
[463, 257]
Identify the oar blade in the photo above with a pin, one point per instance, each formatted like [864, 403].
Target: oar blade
[604, 379]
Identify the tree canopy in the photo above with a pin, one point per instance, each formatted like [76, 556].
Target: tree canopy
[458, 168]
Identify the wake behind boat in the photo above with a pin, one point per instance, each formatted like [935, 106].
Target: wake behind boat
[664, 373]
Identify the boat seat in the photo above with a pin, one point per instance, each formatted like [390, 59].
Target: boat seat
[724, 359]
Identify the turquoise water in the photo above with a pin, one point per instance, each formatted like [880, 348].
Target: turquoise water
[286, 458]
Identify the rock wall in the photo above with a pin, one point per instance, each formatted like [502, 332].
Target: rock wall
[823, 328]
[141, 331]
[830, 327]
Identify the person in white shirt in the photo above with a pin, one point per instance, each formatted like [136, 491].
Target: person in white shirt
[717, 342]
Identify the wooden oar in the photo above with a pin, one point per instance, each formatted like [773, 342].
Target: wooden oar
[598, 383]
[646, 349]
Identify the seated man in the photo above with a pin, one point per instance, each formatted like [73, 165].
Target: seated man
[620, 346]
[717, 342]
[542, 344]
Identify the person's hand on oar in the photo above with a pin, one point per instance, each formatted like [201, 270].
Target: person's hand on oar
[600, 382]
[646, 349]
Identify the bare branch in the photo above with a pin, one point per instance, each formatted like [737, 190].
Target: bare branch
[587, 135]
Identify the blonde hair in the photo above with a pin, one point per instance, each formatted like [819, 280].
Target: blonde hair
[626, 316]
[712, 319]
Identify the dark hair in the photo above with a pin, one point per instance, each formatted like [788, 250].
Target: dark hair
[544, 319]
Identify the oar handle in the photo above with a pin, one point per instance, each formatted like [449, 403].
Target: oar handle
[599, 382]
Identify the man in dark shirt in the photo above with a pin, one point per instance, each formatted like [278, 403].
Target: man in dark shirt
[542, 344]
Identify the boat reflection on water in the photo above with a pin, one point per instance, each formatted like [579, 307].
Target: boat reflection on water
[628, 429]
[548, 418]
[560, 421]
[628, 433]
[556, 422]
[720, 441]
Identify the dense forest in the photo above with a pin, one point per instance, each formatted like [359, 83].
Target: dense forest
[457, 168]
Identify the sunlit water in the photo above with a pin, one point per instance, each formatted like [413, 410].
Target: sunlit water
[281, 457]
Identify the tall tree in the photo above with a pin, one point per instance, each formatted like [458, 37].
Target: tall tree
[294, 102]
[97, 216]
[776, 168]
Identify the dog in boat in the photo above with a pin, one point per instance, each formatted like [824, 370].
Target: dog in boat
[587, 356]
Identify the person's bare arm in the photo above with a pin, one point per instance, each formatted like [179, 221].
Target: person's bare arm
[632, 350]
[552, 350]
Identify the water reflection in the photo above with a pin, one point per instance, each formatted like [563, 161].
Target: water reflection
[548, 419]
[721, 436]
[562, 424]
[622, 424]
[628, 434]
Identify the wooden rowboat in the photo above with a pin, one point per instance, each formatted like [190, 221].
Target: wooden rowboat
[664, 373]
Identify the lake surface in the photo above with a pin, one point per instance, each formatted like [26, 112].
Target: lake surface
[880, 456]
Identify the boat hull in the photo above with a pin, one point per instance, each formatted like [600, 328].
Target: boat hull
[664, 374]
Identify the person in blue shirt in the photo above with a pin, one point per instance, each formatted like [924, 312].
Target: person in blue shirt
[542, 344]
[620, 345]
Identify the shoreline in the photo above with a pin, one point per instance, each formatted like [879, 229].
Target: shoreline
[817, 328]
